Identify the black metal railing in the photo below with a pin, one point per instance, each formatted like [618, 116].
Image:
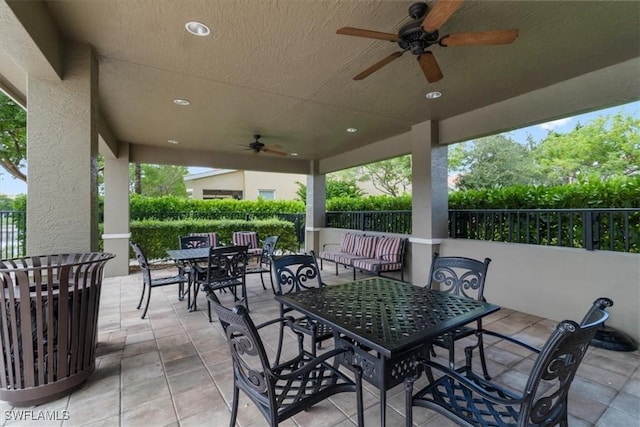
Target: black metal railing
[12, 234]
[383, 221]
[605, 229]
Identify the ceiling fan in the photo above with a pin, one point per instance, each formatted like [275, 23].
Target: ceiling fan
[421, 33]
[259, 147]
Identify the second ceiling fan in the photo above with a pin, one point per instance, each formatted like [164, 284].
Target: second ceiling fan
[421, 33]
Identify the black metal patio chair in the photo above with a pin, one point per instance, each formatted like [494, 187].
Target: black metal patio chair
[295, 273]
[280, 390]
[149, 283]
[264, 260]
[470, 400]
[186, 268]
[224, 270]
[463, 277]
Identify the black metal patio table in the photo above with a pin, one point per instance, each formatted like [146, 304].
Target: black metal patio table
[191, 255]
[387, 323]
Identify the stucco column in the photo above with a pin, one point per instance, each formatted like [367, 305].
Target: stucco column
[429, 202]
[62, 148]
[316, 209]
[116, 211]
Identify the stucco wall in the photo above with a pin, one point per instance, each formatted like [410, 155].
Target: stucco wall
[558, 283]
[284, 184]
[555, 283]
[228, 181]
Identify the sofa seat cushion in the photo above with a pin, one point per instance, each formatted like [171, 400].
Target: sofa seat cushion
[376, 265]
[329, 256]
[346, 259]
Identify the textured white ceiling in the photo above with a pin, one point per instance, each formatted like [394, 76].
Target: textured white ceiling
[278, 68]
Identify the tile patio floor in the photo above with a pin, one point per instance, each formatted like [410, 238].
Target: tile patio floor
[173, 369]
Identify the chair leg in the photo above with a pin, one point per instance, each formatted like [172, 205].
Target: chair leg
[280, 340]
[408, 389]
[144, 288]
[359, 399]
[146, 307]
[209, 310]
[234, 407]
[452, 351]
[262, 280]
[273, 288]
[483, 360]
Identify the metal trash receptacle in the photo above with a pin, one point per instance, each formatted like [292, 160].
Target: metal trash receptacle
[49, 308]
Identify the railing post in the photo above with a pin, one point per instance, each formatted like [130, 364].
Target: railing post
[591, 230]
[453, 219]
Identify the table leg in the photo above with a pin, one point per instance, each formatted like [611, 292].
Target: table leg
[383, 406]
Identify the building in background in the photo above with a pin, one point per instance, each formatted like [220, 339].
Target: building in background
[243, 185]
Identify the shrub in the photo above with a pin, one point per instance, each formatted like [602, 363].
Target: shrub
[158, 236]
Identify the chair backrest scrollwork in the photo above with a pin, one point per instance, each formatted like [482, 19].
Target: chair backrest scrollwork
[464, 277]
[194, 241]
[247, 350]
[548, 386]
[226, 263]
[296, 273]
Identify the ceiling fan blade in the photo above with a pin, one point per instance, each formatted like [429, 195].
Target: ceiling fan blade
[480, 38]
[278, 153]
[430, 67]
[439, 14]
[348, 31]
[375, 67]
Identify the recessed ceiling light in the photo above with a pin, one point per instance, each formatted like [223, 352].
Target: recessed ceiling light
[352, 130]
[181, 101]
[172, 141]
[293, 154]
[433, 95]
[197, 28]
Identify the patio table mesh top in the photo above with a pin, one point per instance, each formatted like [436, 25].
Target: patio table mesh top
[388, 314]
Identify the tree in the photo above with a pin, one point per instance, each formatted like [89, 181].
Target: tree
[605, 147]
[160, 180]
[492, 161]
[392, 177]
[13, 137]
[336, 186]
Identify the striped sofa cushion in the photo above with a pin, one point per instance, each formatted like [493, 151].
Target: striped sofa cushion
[213, 237]
[246, 238]
[348, 243]
[365, 246]
[388, 249]
[376, 265]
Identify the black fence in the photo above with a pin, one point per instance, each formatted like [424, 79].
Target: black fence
[383, 221]
[605, 229]
[12, 234]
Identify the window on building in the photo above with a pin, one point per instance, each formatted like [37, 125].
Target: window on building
[267, 194]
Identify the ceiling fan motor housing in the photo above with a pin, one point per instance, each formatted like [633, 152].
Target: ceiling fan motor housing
[414, 39]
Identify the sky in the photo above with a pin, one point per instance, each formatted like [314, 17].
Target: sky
[11, 186]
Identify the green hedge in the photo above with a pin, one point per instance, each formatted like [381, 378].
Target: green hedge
[621, 192]
[146, 207]
[158, 236]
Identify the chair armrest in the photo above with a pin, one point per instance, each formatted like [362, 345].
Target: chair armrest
[390, 254]
[512, 340]
[330, 244]
[311, 364]
[477, 385]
